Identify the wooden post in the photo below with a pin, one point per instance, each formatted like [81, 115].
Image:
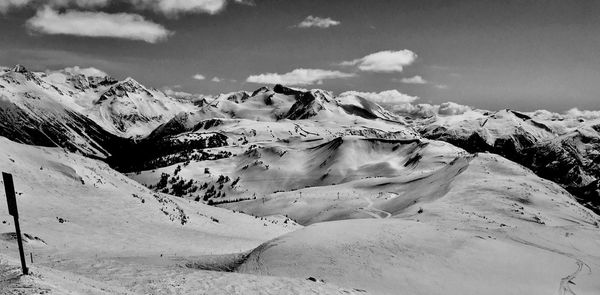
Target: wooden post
[11, 199]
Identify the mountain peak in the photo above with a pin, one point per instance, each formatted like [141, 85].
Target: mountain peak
[30, 76]
[122, 89]
[260, 90]
[286, 90]
[18, 68]
[132, 82]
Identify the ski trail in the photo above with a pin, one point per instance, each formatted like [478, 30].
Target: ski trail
[370, 208]
[374, 215]
[565, 283]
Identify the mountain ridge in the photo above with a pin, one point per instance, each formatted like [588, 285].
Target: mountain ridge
[107, 111]
[307, 191]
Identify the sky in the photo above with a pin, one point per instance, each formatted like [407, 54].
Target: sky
[490, 54]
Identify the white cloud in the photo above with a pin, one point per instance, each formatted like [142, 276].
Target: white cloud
[5, 5]
[167, 7]
[298, 77]
[175, 7]
[413, 80]
[585, 114]
[451, 109]
[246, 2]
[384, 61]
[386, 97]
[89, 72]
[428, 110]
[420, 110]
[317, 22]
[216, 79]
[170, 91]
[97, 24]
[402, 103]
[198, 77]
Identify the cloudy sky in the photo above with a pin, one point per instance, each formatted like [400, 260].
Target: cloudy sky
[523, 54]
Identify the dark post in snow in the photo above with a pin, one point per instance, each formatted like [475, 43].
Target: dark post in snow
[12, 210]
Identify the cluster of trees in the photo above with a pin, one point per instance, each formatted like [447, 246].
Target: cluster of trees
[182, 187]
[161, 150]
[178, 186]
[213, 202]
[210, 193]
[183, 156]
[176, 212]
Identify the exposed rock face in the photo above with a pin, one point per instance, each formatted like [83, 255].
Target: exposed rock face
[572, 160]
[238, 97]
[123, 89]
[83, 83]
[306, 106]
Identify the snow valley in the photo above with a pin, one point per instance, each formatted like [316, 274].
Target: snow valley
[126, 189]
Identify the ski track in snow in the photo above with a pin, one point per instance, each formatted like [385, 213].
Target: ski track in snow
[565, 283]
[370, 208]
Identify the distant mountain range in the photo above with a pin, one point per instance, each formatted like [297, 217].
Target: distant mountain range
[311, 192]
[136, 128]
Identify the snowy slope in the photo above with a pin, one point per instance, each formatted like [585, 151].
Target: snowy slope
[128, 109]
[494, 229]
[231, 125]
[96, 202]
[93, 231]
[392, 203]
[120, 276]
[264, 162]
[561, 148]
[494, 129]
[280, 102]
[35, 112]
[123, 108]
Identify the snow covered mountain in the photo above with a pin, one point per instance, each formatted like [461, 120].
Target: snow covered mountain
[129, 109]
[564, 149]
[280, 115]
[70, 106]
[304, 185]
[34, 111]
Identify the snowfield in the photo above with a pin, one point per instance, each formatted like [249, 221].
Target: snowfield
[91, 230]
[497, 229]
